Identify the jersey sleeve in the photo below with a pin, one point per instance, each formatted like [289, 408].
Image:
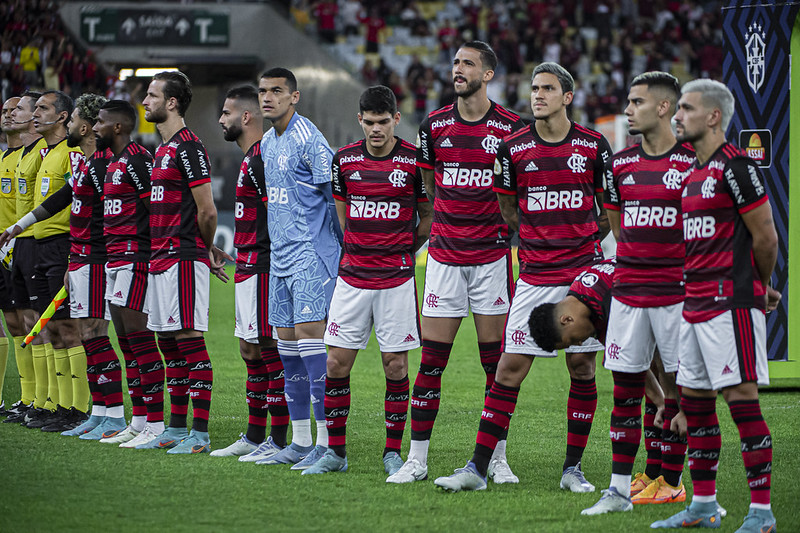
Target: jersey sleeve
[316, 155]
[255, 171]
[425, 156]
[97, 174]
[505, 176]
[419, 187]
[602, 165]
[76, 159]
[518, 125]
[58, 200]
[140, 167]
[745, 183]
[611, 200]
[194, 163]
[337, 179]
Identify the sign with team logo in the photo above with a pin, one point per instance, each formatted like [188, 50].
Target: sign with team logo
[757, 144]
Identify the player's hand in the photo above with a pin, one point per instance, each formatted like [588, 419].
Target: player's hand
[658, 421]
[773, 299]
[66, 281]
[678, 424]
[9, 234]
[217, 259]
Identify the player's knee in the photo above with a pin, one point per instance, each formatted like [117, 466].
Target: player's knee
[395, 365]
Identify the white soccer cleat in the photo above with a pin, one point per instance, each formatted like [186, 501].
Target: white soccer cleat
[611, 502]
[411, 471]
[146, 436]
[265, 450]
[237, 449]
[466, 478]
[123, 436]
[573, 480]
[500, 472]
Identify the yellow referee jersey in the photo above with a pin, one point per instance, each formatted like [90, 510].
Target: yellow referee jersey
[8, 196]
[25, 179]
[57, 168]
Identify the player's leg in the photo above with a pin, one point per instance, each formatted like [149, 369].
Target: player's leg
[395, 367]
[581, 407]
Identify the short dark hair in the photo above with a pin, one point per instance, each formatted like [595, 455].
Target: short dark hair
[285, 73]
[33, 95]
[545, 329]
[248, 93]
[378, 99]
[123, 109]
[63, 101]
[564, 77]
[177, 86]
[488, 57]
[89, 105]
[663, 80]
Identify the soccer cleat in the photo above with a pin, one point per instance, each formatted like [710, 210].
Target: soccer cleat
[17, 408]
[411, 471]
[17, 418]
[126, 435]
[639, 483]
[500, 472]
[97, 432]
[70, 421]
[572, 479]
[114, 426]
[310, 459]
[466, 478]
[265, 450]
[290, 455]
[142, 440]
[86, 427]
[170, 438]
[611, 502]
[38, 418]
[238, 448]
[196, 442]
[687, 518]
[758, 521]
[329, 462]
[392, 462]
[659, 491]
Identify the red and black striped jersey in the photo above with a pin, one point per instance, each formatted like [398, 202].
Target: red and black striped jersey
[593, 288]
[556, 185]
[468, 228]
[721, 272]
[650, 250]
[127, 218]
[180, 164]
[381, 196]
[87, 243]
[251, 238]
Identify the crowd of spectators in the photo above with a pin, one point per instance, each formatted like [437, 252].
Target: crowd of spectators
[37, 53]
[603, 43]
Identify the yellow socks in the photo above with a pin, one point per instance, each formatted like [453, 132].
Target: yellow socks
[39, 356]
[3, 363]
[80, 382]
[63, 377]
[52, 381]
[27, 377]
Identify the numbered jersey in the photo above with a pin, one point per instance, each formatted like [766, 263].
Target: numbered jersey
[381, 196]
[646, 191]
[468, 228]
[25, 180]
[556, 185]
[126, 188]
[59, 164]
[251, 237]
[180, 164]
[721, 273]
[87, 243]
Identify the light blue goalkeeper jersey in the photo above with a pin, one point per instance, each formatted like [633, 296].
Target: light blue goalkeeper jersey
[300, 214]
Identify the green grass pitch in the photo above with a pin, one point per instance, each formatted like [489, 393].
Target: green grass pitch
[51, 483]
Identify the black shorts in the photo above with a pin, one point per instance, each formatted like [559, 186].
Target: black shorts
[22, 271]
[52, 264]
[7, 300]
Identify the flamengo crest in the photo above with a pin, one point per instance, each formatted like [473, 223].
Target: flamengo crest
[755, 47]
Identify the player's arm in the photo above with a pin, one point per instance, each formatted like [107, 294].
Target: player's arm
[341, 212]
[505, 185]
[56, 202]
[423, 231]
[508, 208]
[613, 222]
[653, 390]
[426, 159]
[339, 190]
[611, 202]
[602, 217]
[428, 178]
[602, 175]
[140, 168]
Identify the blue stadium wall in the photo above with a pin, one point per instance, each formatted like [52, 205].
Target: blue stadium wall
[757, 68]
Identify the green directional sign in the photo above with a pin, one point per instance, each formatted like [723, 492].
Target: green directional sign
[169, 27]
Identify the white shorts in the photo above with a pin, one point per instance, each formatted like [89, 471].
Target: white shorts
[451, 290]
[252, 320]
[727, 350]
[518, 337]
[178, 298]
[126, 285]
[86, 292]
[393, 311]
[634, 332]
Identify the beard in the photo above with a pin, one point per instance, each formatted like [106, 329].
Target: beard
[101, 143]
[471, 88]
[686, 137]
[73, 139]
[232, 132]
[156, 116]
[634, 131]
